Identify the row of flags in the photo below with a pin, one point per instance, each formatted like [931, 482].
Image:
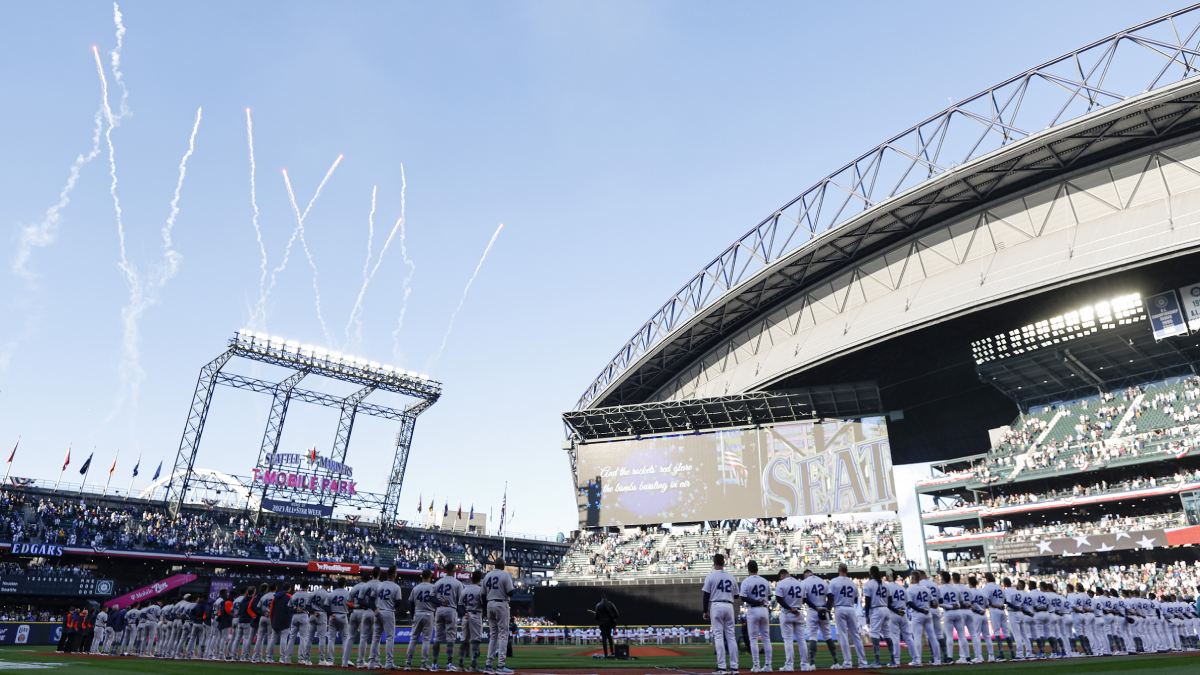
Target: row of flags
[87, 464]
[445, 508]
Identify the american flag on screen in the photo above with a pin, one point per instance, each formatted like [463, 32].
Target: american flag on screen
[734, 460]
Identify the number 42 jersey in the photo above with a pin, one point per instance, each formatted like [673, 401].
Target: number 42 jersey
[720, 586]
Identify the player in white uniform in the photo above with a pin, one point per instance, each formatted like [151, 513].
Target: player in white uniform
[919, 599]
[996, 602]
[446, 593]
[1014, 597]
[845, 599]
[790, 596]
[1076, 601]
[935, 608]
[876, 614]
[977, 620]
[900, 631]
[756, 595]
[819, 601]
[719, 587]
[497, 589]
[954, 622]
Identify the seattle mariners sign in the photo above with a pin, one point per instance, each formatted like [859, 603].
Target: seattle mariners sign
[302, 481]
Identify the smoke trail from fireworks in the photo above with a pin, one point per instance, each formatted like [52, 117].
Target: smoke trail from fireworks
[259, 319]
[45, 232]
[142, 296]
[299, 227]
[304, 244]
[357, 309]
[412, 268]
[464, 296]
[115, 54]
[173, 256]
[129, 272]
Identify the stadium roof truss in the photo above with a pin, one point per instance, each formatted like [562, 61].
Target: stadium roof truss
[305, 360]
[1046, 121]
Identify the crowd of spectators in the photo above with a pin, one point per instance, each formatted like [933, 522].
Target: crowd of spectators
[76, 524]
[1088, 528]
[29, 613]
[348, 546]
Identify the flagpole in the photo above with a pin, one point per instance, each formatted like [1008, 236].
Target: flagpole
[64, 468]
[110, 473]
[10, 459]
[135, 467]
[503, 534]
[88, 472]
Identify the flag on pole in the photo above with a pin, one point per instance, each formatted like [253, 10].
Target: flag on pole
[460, 510]
[14, 452]
[431, 505]
[86, 465]
[114, 466]
[420, 502]
[157, 471]
[503, 508]
[472, 516]
[446, 509]
[68, 460]
[135, 466]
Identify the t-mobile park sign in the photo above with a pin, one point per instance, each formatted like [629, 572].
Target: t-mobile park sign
[301, 481]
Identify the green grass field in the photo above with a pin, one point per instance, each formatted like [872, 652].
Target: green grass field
[566, 659]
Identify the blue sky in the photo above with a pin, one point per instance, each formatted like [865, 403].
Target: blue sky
[623, 145]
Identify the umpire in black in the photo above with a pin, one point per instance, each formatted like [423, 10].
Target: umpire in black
[606, 618]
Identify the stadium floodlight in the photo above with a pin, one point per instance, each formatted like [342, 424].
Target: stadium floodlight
[277, 340]
[335, 356]
[412, 373]
[1106, 315]
[423, 376]
[374, 364]
[320, 352]
[307, 350]
[261, 336]
[387, 369]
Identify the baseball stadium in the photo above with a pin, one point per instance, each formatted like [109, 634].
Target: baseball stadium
[1006, 292]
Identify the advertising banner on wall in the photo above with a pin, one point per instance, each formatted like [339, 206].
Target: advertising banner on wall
[799, 469]
[1189, 298]
[301, 510]
[30, 633]
[1166, 317]
[150, 591]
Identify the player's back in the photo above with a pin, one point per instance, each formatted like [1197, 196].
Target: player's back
[720, 586]
[386, 596]
[422, 597]
[448, 590]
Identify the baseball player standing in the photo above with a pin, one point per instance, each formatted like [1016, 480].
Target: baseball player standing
[756, 594]
[845, 599]
[718, 592]
[497, 589]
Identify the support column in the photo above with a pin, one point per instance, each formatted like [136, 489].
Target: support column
[193, 429]
[270, 443]
[391, 501]
[341, 442]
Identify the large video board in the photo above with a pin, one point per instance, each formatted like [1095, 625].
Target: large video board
[800, 469]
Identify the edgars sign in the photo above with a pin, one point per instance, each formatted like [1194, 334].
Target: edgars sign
[37, 549]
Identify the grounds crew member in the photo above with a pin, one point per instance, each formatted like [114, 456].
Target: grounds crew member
[719, 587]
[606, 619]
[497, 590]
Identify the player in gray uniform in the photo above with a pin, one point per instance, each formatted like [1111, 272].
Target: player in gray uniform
[369, 637]
[446, 594]
[497, 589]
[151, 614]
[261, 650]
[357, 608]
[318, 622]
[298, 632]
[99, 629]
[472, 620]
[719, 590]
[243, 625]
[386, 597]
[422, 622]
[339, 605]
[129, 640]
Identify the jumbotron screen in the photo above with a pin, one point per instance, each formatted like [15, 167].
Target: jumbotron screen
[799, 469]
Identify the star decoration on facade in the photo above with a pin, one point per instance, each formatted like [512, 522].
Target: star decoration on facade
[1044, 547]
[1146, 542]
[1123, 534]
[1081, 541]
[1105, 547]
